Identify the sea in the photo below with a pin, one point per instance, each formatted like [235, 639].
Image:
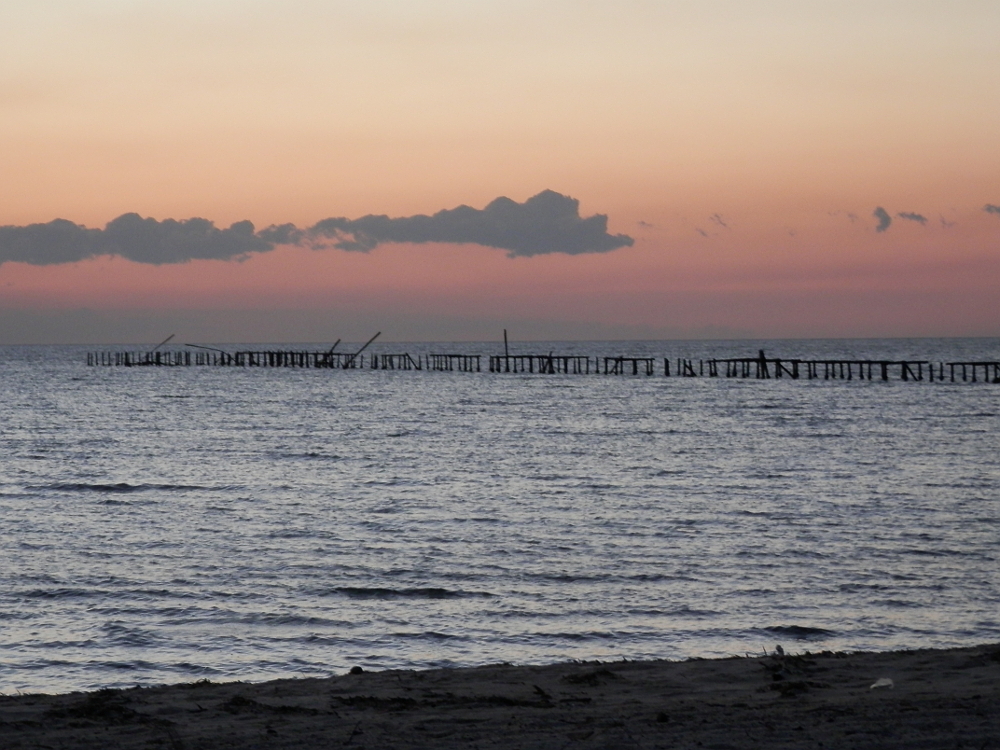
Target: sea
[172, 524]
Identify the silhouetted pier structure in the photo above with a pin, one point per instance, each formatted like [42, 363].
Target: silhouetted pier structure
[623, 365]
[842, 369]
[760, 367]
[395, 362]
[220, 358]
[828, 369]
[543, 364]
[967, 368]
[452, 362]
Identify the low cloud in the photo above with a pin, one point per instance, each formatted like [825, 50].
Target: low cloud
[883, 218]
[991, 209]
[130, 236]
[547, 223]
[912, 217]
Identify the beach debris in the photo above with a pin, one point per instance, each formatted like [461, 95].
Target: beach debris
[789, 673]
[882, 682]
[108, 706]
[792, 688]
[546, 698]
[240, 704]
[590, 679]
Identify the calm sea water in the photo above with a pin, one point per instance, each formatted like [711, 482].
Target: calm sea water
[166, 525]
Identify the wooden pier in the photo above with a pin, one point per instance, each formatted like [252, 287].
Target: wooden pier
[543, 364]
[624, 365]
[220, 358]
[844, 369]
[452, 362]
[760, 367]
[827, 369]
[395, 362]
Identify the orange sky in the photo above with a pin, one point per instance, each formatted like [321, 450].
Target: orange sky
[788, 122]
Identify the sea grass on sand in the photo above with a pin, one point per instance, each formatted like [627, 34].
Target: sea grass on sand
[938, 699]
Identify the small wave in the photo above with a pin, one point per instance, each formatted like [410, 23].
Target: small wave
[4, 615]
[274, 618]
[800, 632]
[430, 635]
[139, 665]
[62, 593]
[359, 592]
[185, 667]
[849, 588]
[683, 611]
[122, 635]
[902, 604]
[118, 487]
[312, 455]
[591, 636]
[301, 534]
[946, 553]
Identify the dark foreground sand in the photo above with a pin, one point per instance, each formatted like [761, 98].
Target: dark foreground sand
[938, 699]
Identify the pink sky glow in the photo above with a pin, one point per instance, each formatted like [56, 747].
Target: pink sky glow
[744, 147]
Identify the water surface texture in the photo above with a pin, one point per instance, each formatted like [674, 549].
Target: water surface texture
[170, 524]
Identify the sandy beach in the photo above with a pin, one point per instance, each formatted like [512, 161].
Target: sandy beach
[907, 699]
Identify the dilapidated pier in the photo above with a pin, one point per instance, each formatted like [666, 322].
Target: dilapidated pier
[542, 364]
[453, 362]
[760, 367]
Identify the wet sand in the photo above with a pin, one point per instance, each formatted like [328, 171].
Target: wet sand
[936, 699]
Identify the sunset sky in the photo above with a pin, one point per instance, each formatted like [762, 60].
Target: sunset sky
[767, 169]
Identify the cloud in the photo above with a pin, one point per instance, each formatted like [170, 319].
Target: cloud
[991, 209]
[129, 236]
[546, 223]
[884, 220]
[912, 217]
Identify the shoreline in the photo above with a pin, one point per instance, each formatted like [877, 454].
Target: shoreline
[895, 699]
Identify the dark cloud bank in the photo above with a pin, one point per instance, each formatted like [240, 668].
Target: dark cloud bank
[547, 223]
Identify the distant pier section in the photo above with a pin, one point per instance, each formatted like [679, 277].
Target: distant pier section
[760, 367]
